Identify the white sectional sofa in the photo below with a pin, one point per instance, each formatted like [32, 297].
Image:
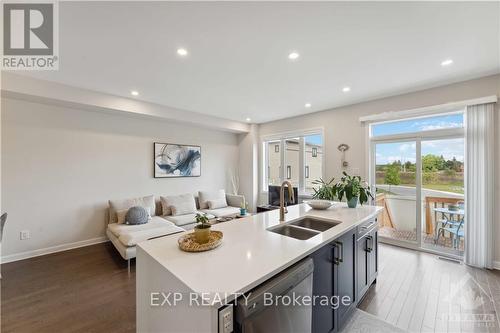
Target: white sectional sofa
[168, 215]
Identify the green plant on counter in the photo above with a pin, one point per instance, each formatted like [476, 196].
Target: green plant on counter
[325, 191]
[202, 219]
[352, 187]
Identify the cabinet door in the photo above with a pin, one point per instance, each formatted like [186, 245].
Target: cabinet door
[372, 256]
[362, 268]
[323, 280]
[345, 275]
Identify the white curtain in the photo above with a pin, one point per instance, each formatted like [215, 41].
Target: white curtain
[480, 185]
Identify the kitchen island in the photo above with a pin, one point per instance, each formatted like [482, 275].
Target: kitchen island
[184, 292]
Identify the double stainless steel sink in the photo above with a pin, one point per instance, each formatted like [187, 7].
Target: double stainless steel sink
[304, 228]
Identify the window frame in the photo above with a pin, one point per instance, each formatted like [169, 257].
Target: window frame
[282, 137]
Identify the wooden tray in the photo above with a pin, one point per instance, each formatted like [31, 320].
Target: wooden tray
[188, 243]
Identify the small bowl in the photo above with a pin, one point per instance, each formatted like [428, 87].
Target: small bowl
[319, 204]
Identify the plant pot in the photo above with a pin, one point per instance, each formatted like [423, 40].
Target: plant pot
[243, 211]
[353, 202]
[202, 235]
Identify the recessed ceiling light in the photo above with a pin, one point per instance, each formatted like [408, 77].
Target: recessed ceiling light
[447, 62]
[248, 120]
[293, 56]
[307, 105]
[182, 52]
[346, 89]
[134, 93]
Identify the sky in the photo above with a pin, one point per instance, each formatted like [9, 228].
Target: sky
[405, 151]
[314, 139]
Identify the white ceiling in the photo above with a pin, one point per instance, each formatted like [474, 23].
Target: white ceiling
[238, 64]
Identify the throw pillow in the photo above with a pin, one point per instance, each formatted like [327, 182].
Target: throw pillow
[121, 215]
[204, 196]
[177, 200]
[217, 203]
[117, 205]
[184, 207]
[136, 215]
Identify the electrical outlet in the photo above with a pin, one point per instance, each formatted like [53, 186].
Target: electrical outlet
[24, 234]
[226, 319]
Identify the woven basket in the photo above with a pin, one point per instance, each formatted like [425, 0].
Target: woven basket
[188, 242]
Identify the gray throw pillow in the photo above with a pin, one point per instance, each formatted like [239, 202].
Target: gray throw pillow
[136, 215]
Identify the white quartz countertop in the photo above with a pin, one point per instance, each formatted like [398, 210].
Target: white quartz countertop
[250, 254]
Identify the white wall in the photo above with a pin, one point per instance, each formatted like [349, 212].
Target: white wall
[341, 125]
[60, 166]
[248, 170]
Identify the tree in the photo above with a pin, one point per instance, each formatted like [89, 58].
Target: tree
[432, 162]
[392, 176]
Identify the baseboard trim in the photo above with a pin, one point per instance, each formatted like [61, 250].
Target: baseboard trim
[52, 249]
[496, 265]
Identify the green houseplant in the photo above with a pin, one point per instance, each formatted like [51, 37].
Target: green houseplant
[353, 188]
[325, 191]
[202, 230]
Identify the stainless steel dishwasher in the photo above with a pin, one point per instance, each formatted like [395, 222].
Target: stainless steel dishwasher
[257, 314]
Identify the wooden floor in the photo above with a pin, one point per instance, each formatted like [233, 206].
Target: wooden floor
[82, 290]
[418, 292]
[89, 290]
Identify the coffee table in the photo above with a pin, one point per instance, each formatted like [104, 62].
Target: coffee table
[232, 217]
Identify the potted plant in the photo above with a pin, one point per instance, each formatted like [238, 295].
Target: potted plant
[202, 230]
[325, 191]
[243, 207]
[353, 188]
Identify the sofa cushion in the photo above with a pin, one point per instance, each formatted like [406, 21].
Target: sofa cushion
[183, 203]
[217, 203]
[219, 212]
[204, 196]
[118, 205]
[182, 220]
[130, 235]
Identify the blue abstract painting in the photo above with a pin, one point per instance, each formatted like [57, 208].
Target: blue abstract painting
[173, 160]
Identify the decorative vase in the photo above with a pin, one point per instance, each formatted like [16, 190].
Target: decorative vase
[202, 235]
[243, 211]
[353, 202]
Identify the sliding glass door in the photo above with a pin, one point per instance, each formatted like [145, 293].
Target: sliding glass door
[417, 168]
[396, 190]
[443, 195]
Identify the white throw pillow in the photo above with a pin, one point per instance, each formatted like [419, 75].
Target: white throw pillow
[205, 196]
[184, 204]
[217, 203]
[126, 204]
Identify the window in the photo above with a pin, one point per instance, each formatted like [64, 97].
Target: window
[274, 164]
[301, 154]
[417, 125]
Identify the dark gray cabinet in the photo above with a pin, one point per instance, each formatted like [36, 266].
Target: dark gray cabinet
[367, 257]
[334, 275]
[345, 276]
[323, 320]
[345, 268]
